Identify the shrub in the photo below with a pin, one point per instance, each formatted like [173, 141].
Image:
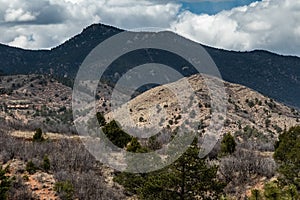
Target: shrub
[189, 177]
[30, 167]
[141, 119]
[5, 183]
[192, 114]
[228, 144]
[46, 163]
[135, 146]
[250, 103]
[65, 190]
[267, 122]
[101, 119]
[287, 156]
[116, 135]
[38, 135]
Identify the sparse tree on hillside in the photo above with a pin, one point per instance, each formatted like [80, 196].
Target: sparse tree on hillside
[5, 183]
[135, 146]
[287, 156]
[189, 177]
[65, 190]
[30, 167]
[101, 119]
[46, 163]
[38, 135]
[116, 135]
[228, 144]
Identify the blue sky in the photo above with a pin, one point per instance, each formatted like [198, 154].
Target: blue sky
[213, 7]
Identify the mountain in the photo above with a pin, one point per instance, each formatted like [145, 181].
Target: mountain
[273, 75]
[34, 101]
[244, 106]
[254, 120]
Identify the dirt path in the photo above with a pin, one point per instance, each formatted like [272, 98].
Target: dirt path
[53, 136]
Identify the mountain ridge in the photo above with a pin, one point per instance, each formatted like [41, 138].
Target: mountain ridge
[274, 75]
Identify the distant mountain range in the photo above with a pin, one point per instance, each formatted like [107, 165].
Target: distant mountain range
[273, 75]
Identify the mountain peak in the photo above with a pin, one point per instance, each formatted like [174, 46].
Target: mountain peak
[271, 74]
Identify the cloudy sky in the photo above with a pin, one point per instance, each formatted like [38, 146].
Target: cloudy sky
[230, 24]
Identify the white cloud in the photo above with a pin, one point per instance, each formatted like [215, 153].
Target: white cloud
[20, 41]
[57, 20]
[18, 15]
[268, 24]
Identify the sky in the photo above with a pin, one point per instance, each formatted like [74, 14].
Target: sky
[241, 25]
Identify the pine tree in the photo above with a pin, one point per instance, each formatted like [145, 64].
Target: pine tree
[272, 191]
[189, 177]
[101, 119]
[228, 144]
[5, 183]
[38, 135]
[46, 163]
[287, 156]
[30, 167]
[135, 147]
[116, 135]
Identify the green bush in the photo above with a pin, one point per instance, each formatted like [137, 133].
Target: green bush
[30, 167]
[228, 144]
[101, 119]
[287, 156]
[5, 183]
[46, 163]
[250, 103]
[273, 190]
[189, 177]
[134, 146]
[38, 135]
[267, 122]
[116, 135]
[65, 190]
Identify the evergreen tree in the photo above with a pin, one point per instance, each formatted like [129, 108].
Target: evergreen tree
[187, 178]
[116, 135]
[65, 190]
[5, 183]
[272, 191]
[101, 119]
[228, 144]
[46, 163]
[30, 167]
[38, 135]
[135, 147]
[275, 190]
[287, 156]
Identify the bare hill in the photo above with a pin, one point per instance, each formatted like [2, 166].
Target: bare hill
[244, 107]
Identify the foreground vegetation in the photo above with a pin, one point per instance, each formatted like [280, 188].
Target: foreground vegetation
[236, 161]
[287, 184]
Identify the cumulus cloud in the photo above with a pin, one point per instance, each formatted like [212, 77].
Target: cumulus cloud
[16, 15]
[47, 23]
[268, 24]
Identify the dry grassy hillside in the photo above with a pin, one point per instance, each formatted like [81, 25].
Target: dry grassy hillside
[254, 120]
[244, 107]
[32, 101]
